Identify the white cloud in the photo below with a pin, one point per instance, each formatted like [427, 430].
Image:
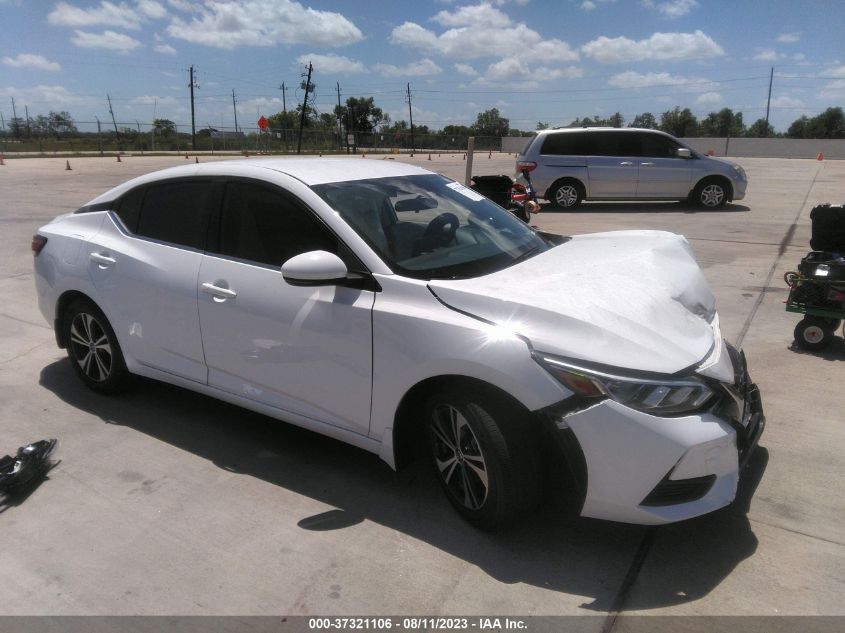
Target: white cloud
[766, 55]
[108, 40]
[165, 49]
[229, 24]
[834, 90]
[475, 15]
[789, 38]
[631, 79]
[836, 71]
[30, 60]
[151, 9]
[671, 8]
[550, 74]
[417, 69]
[56, 96]
[332, 64]
[709, 98]
[106, 13]
[183, 5]
[155, 100]
[473, 42]
[466, 69]
[588, 5]
[787, 102]
[508, 68]
[660, 46]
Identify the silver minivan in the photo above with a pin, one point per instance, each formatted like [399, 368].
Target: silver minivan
[569, 165]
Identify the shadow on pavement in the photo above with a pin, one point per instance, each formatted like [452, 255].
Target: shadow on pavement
[643, 207]
[553, 549]
[833, 352]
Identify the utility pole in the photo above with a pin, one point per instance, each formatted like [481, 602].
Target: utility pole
[100, 138]
[15, 119]
[340, 119]
[28, 128]
[304, 107]
[193, 120]
[116, 133]
[235, 110]
[411, 117]
[284, 99]
[769, 100]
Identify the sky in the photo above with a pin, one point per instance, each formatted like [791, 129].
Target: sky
[534, 60]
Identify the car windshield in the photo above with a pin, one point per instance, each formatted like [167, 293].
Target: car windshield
[430, 227]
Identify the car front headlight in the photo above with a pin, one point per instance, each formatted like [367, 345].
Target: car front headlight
[658, 396]
[740, 172]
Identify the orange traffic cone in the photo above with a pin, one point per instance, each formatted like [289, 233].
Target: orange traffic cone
[67, 165]
[429, 156]
[118, 159]
[490, 155]
[710, 152]
[465, 156]
[2, 160]
[246, 154]
[186, 155]
[196, 159]
[820, 156]
[363, 155]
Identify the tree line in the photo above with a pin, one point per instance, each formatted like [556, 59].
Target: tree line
[362, 115]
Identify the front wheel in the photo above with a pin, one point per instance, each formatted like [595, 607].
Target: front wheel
[487, 465]
[814, 333]
[710, 194]
[92, 348]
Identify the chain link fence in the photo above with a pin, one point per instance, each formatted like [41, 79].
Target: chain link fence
[146, 138]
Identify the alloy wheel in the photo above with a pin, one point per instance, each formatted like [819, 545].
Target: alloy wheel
[91, 347]
[459, 458]
[566, 196]
[712, 195]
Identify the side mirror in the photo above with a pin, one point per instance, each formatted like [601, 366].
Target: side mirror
[315, 268]
[683, 152]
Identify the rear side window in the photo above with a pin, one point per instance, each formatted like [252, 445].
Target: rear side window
[176, 212]
[564, 144]
[260, 224]
[129, 209]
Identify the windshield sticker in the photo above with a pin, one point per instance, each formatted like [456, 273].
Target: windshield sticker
[465, 191]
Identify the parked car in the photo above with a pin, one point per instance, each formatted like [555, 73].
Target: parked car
[370, 300]
[570, 165]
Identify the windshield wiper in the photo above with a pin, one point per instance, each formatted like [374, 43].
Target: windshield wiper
[526, 255]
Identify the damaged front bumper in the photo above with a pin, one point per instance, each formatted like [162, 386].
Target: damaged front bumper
[639, 468]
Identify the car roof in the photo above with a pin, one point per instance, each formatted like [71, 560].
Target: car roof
[601, 129]
[309, 170]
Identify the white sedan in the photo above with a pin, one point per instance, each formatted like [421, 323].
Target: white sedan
[370, 300]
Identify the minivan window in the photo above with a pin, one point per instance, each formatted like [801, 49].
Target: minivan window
[564, 144]
[614, 144]
[175, 212]
[657, 146]
[262, 225]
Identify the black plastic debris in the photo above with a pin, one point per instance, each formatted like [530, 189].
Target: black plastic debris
[27, 468]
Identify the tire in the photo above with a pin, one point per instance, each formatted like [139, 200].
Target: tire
[92, 348]
[566, 194]
[491, 474]
[814, 333]
[710, 194]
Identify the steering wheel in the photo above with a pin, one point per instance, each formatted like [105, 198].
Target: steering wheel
[440, 231]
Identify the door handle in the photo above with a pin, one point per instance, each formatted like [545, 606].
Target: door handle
[647, 164]
[626, 163]
[218, 292]
[103, 261]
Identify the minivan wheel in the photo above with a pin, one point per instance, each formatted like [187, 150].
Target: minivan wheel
[710, 194]
[487, 465]
[566, 195]
[92, 348]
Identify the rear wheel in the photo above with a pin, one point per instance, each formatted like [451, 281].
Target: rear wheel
[487, 465]
[814, 333]
[567, 194]
[93, 348]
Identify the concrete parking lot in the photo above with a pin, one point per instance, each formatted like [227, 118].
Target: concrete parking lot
[169, 502]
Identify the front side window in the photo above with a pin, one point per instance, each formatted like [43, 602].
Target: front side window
[260, 224]
[429, 227]
[175, 212]
[657, 146]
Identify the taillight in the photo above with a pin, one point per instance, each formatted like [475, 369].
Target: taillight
[38, 242]
[525, 165]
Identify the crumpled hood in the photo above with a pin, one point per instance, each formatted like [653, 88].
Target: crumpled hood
[630, 299]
